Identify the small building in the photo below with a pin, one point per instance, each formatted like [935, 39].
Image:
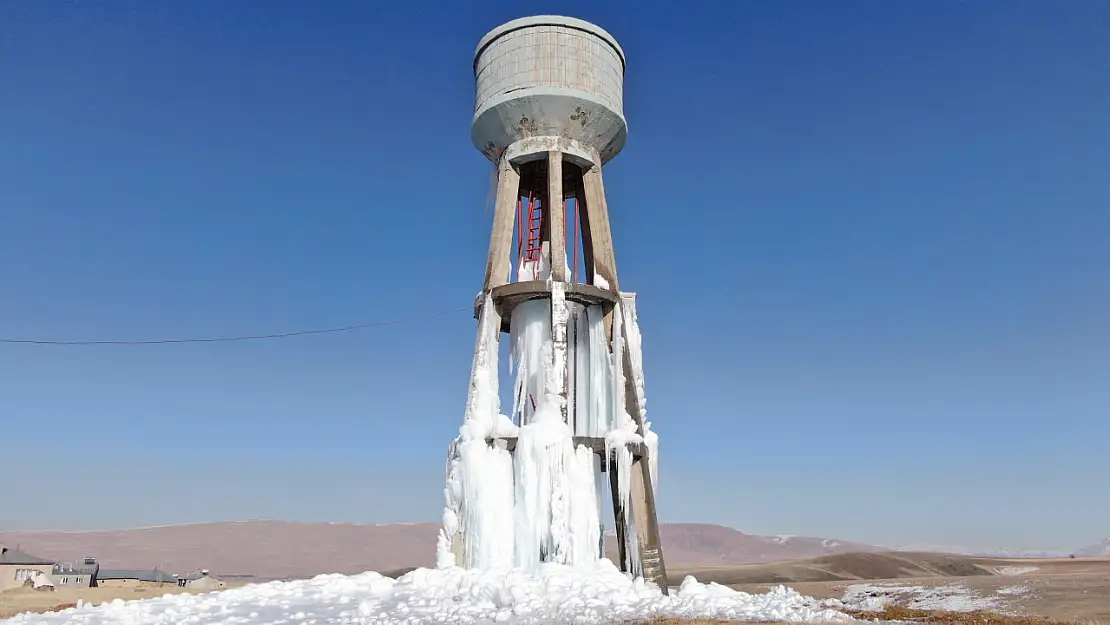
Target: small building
[130, 578]
[18, 568]
[76, 574]
[201, 580]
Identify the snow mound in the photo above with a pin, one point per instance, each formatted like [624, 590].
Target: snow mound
[948, 598]
[1016, 570]
[552, 594]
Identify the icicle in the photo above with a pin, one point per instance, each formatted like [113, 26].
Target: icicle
[579, 393]
[616, 445]
[478, 496]
[530, 337]
[617, 359]
[559, 318]
[486, 522]
[631, 333]
[445, 556]
[585, 515]
[543, 453]
[600, 488]
[598, 401]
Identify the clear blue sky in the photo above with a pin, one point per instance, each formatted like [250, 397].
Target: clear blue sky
[871, 242]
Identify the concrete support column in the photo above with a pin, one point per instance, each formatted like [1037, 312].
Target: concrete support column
[619, 527]
[600, 235]
[556, 216]
[642, 496]
[498, 267]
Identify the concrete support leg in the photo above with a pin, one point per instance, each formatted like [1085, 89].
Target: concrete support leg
[642, 497]
[556, 216]
[618, 516]
[601, 237]
[642, 500]
[584, 226]
[498, 265]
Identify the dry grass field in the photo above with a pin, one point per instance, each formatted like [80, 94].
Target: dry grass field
[1059, 590]
[14, 602]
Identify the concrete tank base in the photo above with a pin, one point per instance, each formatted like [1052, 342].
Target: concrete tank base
[550, 112]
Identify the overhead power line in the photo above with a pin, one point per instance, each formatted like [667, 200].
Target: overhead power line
[249, 337]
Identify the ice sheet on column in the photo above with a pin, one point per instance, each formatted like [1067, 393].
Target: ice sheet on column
[530, 337]
[581, 383]
[585, 513]
[486, 514]
[634, 342]
[478, 493]
[543, 453]
[599, 402]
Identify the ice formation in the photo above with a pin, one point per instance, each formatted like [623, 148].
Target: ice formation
[542, 502]
[872, 597]
[552, 594]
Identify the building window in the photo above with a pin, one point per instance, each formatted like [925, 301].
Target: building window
[22, 575]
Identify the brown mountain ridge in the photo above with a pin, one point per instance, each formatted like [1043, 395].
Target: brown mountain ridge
[281, 549]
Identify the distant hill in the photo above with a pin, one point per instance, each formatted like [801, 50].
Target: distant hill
[279, 549]
[706, 544]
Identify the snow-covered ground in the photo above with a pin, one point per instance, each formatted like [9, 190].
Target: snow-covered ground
[950, 598]
[1016, 570]
[553, 594]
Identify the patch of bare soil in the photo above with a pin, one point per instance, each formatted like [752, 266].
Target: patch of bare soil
[898, 613]
[1061, 590]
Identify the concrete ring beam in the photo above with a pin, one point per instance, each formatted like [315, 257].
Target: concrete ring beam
[508, 296]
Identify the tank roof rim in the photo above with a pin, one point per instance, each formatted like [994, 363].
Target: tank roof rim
[547, 20]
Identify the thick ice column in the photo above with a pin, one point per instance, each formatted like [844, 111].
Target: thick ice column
[559, 343]
[530, 336]
[477, 518]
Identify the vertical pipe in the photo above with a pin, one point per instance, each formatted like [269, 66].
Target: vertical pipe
[583, 203]
[575, 272]
[519, 234]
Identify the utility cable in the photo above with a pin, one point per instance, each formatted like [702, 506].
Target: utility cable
[229, 339]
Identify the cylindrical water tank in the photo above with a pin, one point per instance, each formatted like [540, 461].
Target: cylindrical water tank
[549, 76]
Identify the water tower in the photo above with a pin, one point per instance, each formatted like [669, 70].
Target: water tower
[525, 484]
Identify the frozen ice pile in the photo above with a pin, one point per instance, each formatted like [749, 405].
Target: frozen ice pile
[551, 594]
[1016, 570]
[948, 598]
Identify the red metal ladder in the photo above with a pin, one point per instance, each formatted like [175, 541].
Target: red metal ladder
[532, 252]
